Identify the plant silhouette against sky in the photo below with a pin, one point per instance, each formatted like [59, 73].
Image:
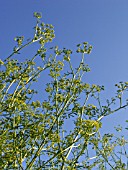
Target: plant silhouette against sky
[34, 134]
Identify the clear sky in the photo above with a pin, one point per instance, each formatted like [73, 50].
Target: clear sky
[102, 23]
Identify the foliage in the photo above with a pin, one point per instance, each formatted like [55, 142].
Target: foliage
[34, 134]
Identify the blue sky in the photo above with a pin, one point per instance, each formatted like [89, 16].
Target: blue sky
[102, 23]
